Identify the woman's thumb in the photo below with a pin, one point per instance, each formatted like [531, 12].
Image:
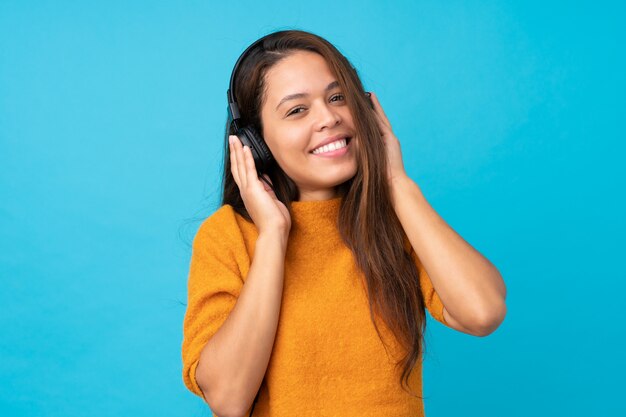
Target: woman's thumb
[268, 187]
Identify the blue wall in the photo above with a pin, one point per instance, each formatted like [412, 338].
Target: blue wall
[511, 119]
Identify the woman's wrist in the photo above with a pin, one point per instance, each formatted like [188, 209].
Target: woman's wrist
[273, 236]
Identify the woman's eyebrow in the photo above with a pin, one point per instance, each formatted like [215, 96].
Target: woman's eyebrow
[301, 95]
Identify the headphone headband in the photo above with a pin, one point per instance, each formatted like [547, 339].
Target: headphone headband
[233, 107]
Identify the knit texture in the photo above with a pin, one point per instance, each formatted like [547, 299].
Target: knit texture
[327, 358]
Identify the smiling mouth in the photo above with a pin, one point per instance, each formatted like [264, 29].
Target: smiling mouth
[330, 151]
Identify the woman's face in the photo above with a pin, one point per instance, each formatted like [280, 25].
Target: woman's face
[303, 108]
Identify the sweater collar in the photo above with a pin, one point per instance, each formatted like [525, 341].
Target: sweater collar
[314, 216]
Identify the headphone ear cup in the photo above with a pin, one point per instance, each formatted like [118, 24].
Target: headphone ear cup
[261, 153]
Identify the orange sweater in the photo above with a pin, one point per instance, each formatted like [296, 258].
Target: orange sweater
[327, 358]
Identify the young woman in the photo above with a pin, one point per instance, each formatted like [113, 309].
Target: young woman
[309, 285]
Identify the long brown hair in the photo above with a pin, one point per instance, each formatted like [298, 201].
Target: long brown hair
[367, 221]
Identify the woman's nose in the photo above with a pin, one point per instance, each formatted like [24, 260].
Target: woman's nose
[327, 116]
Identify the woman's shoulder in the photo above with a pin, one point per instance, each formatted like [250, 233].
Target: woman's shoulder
[223, 225]
[222, 220]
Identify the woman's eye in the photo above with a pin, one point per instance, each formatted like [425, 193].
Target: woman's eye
[295, 111]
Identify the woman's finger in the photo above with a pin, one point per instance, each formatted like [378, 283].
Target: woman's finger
[379, 110]
[241, 166]
[251, 173]
[384, 129]
[233, 160]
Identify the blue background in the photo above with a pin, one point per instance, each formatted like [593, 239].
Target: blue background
[511, 119]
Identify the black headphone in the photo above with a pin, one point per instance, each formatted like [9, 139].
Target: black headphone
[248, 135]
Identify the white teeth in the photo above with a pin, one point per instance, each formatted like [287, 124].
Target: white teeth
[341, 143]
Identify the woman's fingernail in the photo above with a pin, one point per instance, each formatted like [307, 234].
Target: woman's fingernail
[230, 139]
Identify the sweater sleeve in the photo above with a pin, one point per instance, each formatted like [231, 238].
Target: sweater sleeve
[214, 284]
[431, 298]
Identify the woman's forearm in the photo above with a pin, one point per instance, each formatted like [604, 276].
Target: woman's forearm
[233, 363]
[470, 287]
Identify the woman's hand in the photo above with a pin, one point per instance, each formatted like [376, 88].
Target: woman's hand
[395, 166]
[265, 209]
